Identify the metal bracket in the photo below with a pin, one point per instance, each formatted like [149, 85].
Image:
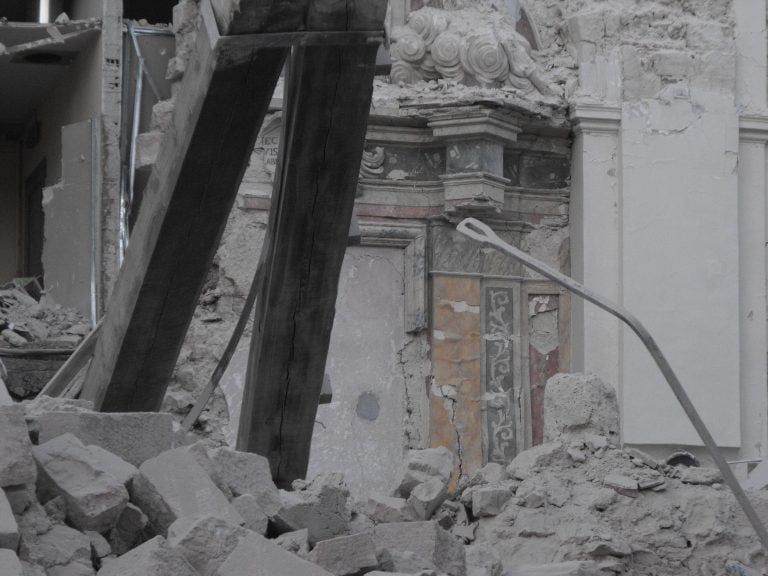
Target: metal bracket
[482, 233]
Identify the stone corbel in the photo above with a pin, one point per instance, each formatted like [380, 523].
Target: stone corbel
[475, 142]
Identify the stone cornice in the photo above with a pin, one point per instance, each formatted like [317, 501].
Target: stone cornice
[595, 118]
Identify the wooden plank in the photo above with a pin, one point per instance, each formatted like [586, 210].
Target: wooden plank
[326, 104]
[76, 362]
[188, 198]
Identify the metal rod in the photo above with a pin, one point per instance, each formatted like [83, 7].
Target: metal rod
[480, 232]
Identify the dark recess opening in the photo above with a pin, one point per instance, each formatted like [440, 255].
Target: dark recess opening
[33, 222]
[153, 11]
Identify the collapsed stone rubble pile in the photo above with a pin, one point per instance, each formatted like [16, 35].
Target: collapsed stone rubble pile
[114, 494]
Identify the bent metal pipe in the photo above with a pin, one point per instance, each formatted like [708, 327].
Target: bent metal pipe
[480, 232]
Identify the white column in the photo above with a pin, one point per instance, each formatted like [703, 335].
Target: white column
[753, 219]
[596, 238]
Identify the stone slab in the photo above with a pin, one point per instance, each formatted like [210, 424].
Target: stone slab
[346, 555]
[135, 437]
[173, 485]
[17, 466]
[94, 497]
[153, 558]
[257, 556]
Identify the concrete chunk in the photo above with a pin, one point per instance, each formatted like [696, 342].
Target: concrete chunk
[423, 465]
[17, 466]
[425, 540]
[245, 473]
[383, 509]
[346, 555]
[134, 437]
[579, 404]
[9, 563]
[9, 530]
[153, 558]
[204, 541]
[269, 558]
[94, 498]
[427, 496]
[173, 485]
[321, 508]
[489, 500]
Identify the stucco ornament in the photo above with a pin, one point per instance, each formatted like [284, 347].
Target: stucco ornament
[467, 46]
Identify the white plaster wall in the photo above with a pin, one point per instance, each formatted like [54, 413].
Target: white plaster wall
[680, 264]
[368, 333]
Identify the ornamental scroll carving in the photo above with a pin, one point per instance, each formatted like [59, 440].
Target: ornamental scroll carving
[464, 46]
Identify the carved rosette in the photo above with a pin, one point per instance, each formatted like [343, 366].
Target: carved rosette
[464, 46]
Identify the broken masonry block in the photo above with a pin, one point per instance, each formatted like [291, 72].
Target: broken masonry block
[9, 529]
[123, 471]
[296, 542]
[153, 558]
[134, 436]
[550, 455]
[246, 473]
[573, 568]
[483, 560]
[60, 550]
[255, 518]
[204, 541]
[427, 496]
[254, 550]
[9, 563]
[383, 509]
[489, 500]
[94, 497]
[129, 529]
[173, 485]
[579, 404]
[17, 466]
[20, 497]
[346, 555]
[425, 540]
[422, 465]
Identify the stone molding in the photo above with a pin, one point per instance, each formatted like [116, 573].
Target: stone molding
[595, 118]
[753, 128]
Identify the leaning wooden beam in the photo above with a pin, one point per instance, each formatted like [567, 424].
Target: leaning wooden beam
[326, 104]
[71, 368]
[218, 113]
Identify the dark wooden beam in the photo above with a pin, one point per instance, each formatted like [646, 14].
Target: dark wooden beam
[218, 113]
[326, 105]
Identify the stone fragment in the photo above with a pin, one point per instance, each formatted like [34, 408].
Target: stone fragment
[491, 473]
[382, 509]
[123, 471]
[296, 542]
[254, 516]
[578, 404]
[247, 473]
[200, 452]
[483, 560]
[99, 544]
[254, 550]
[646, 459]
[20, 497]
[427, 496]
[9, 529]
[134, 437]
[466, 532]
[17, 466]
[425, 540]
[596, 442]
[573, 568]
[703, 476]
[94, 498]
[651, 483]
[531, 494]
[603, 499]
[346, 555]
[34, 522]
[422, 465]
[128, 530]
[577, 455]
[321, 508]
[60, 546]
[173, 485]
[153, 558]
[10, 564]
[204, 541]
[613, 547]
[551, 455]
[489, 500]
[622, 484]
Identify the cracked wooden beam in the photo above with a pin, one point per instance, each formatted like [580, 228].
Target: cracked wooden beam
[190, 193]
[326, 105]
